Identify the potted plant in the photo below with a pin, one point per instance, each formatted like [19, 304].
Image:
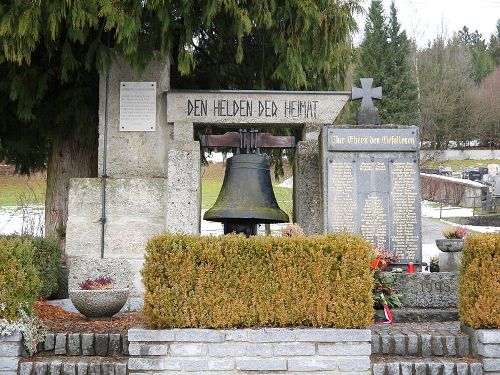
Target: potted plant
[453, 240]
[98, 298]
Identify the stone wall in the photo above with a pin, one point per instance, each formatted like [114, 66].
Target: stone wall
[485, 344]
[273, 351]
[10, 353]
[459, 154]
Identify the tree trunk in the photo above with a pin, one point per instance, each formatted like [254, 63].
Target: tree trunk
[68, 158]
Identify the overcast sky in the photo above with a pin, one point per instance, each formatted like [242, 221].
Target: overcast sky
[425, 19]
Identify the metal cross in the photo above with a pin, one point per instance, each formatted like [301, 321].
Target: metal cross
[366, 92]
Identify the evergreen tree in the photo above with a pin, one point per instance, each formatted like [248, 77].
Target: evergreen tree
[384, 55]
[52, 52]
[494, 45]
[482, 61]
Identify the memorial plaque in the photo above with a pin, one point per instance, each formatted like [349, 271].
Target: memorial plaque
[138, 106]
[374, 192]
[255, 107]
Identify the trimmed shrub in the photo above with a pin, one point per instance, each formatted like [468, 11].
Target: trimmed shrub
[479, 282]
[19, 281]
[47, 261]
[233, 281]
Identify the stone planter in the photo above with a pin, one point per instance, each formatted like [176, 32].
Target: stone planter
[450, 245]
[99, 303]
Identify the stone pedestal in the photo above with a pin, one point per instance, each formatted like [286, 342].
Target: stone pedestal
[449, 261]
[10, 353]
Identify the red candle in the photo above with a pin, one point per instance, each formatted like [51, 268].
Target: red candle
[411, 267]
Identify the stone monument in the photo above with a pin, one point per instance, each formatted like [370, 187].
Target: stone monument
[149, 161]
[371, 182]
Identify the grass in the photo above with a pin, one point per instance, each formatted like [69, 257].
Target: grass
[457, 165]
[17, 190]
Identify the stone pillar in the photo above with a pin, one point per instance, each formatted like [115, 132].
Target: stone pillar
[307, 182]
[10, 353]
[183, 196]
[136, 166]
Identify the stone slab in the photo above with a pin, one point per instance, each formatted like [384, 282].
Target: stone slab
[428, 290]
[371, 186]
[255, 107]
[137, 153]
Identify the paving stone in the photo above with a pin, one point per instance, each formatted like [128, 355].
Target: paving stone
[107, 368]
[125, 344]
[434, 368]
[420, 368]
[121, 369]
[399, 344]
[463, 345]
[392, 368]
[354, 364]
[450, 345]
[406, 368]
[50, 341]
[82, 368]
[437, 345]
[263, 365]
[378, 368]
[412, 343]
[425, 340]
[114, 345]
[491, 364]
[25, 368]
[101, 344]
[88, 348]
[448, 368]
[375, 343]
[74, 347]
[476, 369]
[55, 367]
[462, 368]
[385, 340]
[60, 346]
[94, 368]
[40, 368]
[300, 365]
[68, 368]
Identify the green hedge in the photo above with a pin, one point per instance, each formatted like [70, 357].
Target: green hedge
[479, 282]
[47, 261]
[19, 281]
[233, 281]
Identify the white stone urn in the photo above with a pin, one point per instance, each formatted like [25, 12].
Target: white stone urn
[450, 245]
[100, 303]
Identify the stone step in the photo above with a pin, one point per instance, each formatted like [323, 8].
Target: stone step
[411, 315]
[85, 344]
[420, 340]
[66, 365]
[425, 366]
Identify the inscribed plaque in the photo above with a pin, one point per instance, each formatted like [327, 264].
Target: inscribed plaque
[138, 106]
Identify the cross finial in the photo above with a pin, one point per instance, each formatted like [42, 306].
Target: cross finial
[366, 92]
[367, 113]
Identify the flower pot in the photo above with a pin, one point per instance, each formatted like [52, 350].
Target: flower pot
[103, 303]
[450, 245]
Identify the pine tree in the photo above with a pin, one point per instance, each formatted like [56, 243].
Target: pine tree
[384, 55]
[494, 45]
[52, 52]
[482, 61]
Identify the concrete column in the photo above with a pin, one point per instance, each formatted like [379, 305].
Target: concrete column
[307, 182]
[183, 196]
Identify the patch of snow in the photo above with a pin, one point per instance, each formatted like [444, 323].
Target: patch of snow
[431, 209]
[288, 183]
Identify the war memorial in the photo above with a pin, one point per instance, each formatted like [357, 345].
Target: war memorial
[348, 179]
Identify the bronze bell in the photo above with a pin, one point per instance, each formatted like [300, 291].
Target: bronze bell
[246, 197]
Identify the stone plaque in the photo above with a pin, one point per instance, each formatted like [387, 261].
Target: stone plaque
[138, 106]
[428, 290]
[254, 107]
[375, 193]
[340, 139]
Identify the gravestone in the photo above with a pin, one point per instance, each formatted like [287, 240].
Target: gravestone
[371, 184]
